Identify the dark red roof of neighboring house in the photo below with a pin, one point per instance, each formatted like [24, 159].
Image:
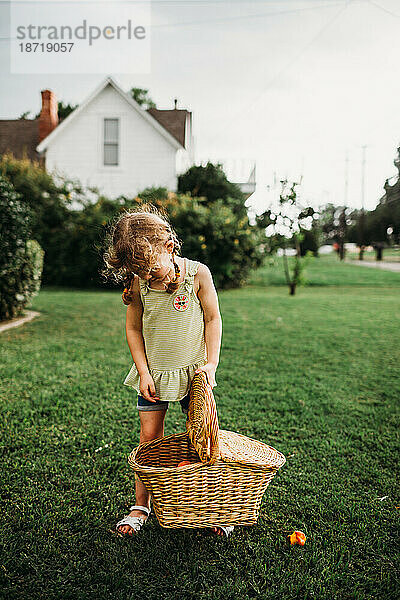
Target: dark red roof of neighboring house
[20, 136]
[173, 121]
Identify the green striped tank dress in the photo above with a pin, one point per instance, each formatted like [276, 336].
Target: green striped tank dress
[173, 334]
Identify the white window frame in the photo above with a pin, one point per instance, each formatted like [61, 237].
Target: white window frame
[117, 143]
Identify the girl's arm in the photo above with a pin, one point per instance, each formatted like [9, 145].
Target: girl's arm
[212, 322]
[135, 341]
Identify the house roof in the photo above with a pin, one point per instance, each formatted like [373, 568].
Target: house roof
[20, 136]
[152, 120]
[173, 120]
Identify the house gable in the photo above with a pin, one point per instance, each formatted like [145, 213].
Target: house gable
[144, 158]
[109, 81]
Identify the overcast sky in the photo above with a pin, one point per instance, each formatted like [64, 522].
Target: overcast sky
[293, 85]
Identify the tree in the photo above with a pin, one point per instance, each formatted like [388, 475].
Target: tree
[292, 217]
[334, 222]
[361, 234]
[381, 226]
[342, 230]
[211, 184]
[142, 97]
[327, 223]
[274, 241]
[371, 228]
[63, 111]
[310, 241]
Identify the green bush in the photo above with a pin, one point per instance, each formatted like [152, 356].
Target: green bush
[21, 258]
[210, 184]
[82, 254]
[217, 232]
[49, 199]
[310, 241]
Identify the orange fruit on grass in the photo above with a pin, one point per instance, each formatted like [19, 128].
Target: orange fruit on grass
[184, 462]
[297, 537]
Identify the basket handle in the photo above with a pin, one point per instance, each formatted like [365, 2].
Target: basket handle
[202, 424]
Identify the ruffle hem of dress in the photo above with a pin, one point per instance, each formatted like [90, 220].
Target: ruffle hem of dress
[166, 381]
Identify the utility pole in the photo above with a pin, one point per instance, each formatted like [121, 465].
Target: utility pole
[362, 214]
[346, 179]
[342, 227]
[364, 148]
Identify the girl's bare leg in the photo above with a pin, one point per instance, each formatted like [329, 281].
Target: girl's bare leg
[151, 427]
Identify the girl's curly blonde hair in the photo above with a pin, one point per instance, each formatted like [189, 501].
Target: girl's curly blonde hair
[135, 241]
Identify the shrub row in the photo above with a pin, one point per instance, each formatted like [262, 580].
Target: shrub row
[21, 258]
[72, 228]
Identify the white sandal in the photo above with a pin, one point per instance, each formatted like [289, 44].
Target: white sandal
[135, 522]
[227, 529]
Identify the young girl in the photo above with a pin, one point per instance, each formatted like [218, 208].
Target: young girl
[173, 327]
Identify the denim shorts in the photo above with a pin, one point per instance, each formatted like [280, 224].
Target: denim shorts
[143, 404]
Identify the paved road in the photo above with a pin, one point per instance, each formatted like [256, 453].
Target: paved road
[386, 266]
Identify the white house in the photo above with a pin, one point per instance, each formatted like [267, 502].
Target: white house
[111, 142]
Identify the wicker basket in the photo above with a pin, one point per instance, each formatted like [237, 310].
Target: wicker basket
[228, 477]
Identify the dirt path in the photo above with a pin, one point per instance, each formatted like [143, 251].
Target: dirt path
[29, 315]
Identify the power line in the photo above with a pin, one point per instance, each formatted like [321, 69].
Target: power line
[383, 9]
[287, 66]
[227, 19]
[242, 17]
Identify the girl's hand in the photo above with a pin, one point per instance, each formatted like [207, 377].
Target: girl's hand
[147, 388]
[209, 369]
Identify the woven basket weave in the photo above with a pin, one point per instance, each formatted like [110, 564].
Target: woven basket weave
[228, 477]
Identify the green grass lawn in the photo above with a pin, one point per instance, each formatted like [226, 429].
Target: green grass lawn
[326, 271]
[315, 376]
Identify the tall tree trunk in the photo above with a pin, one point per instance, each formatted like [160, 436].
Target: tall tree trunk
[286, 266]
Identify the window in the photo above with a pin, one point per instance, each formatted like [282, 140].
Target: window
[111, 136]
